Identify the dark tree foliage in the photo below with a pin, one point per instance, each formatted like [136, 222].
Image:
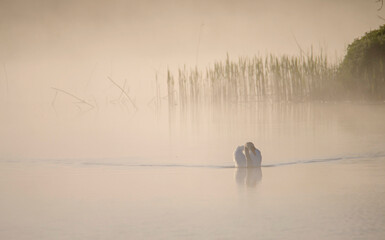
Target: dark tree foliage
[362, 71]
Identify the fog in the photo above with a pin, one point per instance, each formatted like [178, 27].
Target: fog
[75, 46]
[97, 140]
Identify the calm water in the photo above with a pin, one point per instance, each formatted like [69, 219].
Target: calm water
[323, 178]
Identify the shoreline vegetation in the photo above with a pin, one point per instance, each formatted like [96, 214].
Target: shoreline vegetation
[360, 76]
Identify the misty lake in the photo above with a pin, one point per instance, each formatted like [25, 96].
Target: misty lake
[119, 119]
[322, 176]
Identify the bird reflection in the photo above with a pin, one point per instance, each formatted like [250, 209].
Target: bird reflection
[248, 176]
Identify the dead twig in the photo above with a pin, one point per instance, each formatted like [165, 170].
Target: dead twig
[124, 87]
[72, 95]
[124, 92]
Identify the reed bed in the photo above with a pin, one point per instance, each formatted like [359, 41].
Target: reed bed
[256, 79]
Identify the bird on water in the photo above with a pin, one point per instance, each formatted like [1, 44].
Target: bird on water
[247, 156]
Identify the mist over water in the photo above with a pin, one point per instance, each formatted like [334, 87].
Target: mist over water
[77, 46]
[283, 131]
[91, 147]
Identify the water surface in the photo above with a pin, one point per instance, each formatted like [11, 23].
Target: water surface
[322, 178]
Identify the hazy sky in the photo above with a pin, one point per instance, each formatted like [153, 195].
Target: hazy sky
[43, 29]
[74, 45]
[70, 40]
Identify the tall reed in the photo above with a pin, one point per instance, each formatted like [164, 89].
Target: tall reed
[255, 79]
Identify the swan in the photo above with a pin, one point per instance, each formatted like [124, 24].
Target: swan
[247, 156]
[239, 157]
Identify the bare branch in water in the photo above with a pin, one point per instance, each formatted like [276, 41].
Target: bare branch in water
[72, 95]
[124, 92]
[381, 17]
[124, 87]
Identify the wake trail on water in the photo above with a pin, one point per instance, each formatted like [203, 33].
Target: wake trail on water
[308, 161]
[123, 162]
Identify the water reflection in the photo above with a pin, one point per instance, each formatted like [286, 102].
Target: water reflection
[249, 177]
